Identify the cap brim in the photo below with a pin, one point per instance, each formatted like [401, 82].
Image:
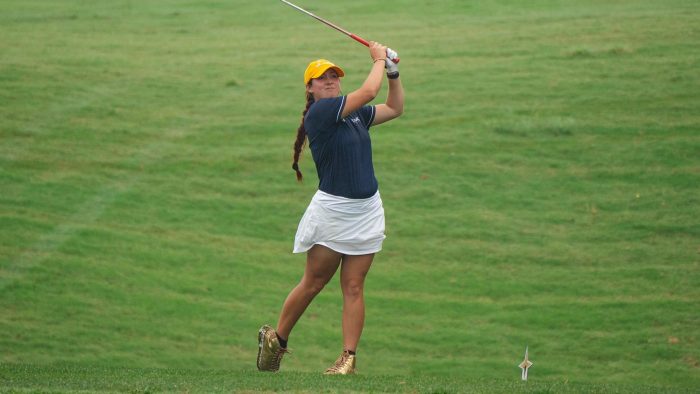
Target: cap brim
[318, 72]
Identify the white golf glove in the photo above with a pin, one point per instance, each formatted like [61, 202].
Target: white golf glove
[392, 69]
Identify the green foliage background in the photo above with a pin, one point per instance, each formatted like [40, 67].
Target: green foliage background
[541, 188]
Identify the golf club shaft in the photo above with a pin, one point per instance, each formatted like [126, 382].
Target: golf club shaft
[334, 26]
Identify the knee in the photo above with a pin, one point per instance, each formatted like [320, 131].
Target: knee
[314, 286]
[353, 289]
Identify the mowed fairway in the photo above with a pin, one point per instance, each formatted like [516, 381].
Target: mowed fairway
[542, 189]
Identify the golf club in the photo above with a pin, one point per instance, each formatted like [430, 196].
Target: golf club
[340, 29]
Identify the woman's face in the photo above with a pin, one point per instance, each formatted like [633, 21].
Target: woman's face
[325, 86]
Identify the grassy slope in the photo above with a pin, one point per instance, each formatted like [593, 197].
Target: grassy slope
[541, 188]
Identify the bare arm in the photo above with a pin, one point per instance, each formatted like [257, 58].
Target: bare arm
[393, 108]
[370, 88]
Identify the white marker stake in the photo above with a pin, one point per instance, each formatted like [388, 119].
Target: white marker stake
[525, 365]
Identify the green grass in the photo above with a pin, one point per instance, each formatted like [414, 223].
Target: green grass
[71, 378]
[542, 189]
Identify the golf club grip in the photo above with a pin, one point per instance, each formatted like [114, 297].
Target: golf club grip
[365, 43]
[359, 39]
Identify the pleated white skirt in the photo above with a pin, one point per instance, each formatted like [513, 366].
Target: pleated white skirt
[346, 225]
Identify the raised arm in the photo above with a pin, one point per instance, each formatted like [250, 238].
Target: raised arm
[370, 88]
[393, 108]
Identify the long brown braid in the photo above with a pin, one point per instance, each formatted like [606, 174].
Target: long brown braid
[301, 137]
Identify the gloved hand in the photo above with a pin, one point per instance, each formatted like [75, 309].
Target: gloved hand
[392, 69]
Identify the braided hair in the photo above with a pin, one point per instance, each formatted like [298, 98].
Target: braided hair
[301, 137]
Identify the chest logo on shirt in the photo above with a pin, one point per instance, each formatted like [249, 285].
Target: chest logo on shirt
[355, 119]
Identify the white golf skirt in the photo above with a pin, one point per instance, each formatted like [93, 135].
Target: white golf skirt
[346, 225]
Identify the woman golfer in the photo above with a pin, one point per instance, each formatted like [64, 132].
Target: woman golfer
[343, 225]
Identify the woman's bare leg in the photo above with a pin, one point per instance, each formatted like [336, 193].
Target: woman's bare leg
[321, 265]
[352, 281]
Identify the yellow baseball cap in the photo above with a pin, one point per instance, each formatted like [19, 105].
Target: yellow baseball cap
[316, 68]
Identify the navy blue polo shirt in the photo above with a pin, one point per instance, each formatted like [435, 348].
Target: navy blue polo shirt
[341, 148]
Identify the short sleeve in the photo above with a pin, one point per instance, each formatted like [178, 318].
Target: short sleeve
[323, 115]
[367, 113]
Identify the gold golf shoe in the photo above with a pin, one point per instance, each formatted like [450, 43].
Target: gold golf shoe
[344, 365]
[269, 350]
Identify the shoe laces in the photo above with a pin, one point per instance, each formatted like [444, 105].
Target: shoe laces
[277, 357]
[340, 362]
